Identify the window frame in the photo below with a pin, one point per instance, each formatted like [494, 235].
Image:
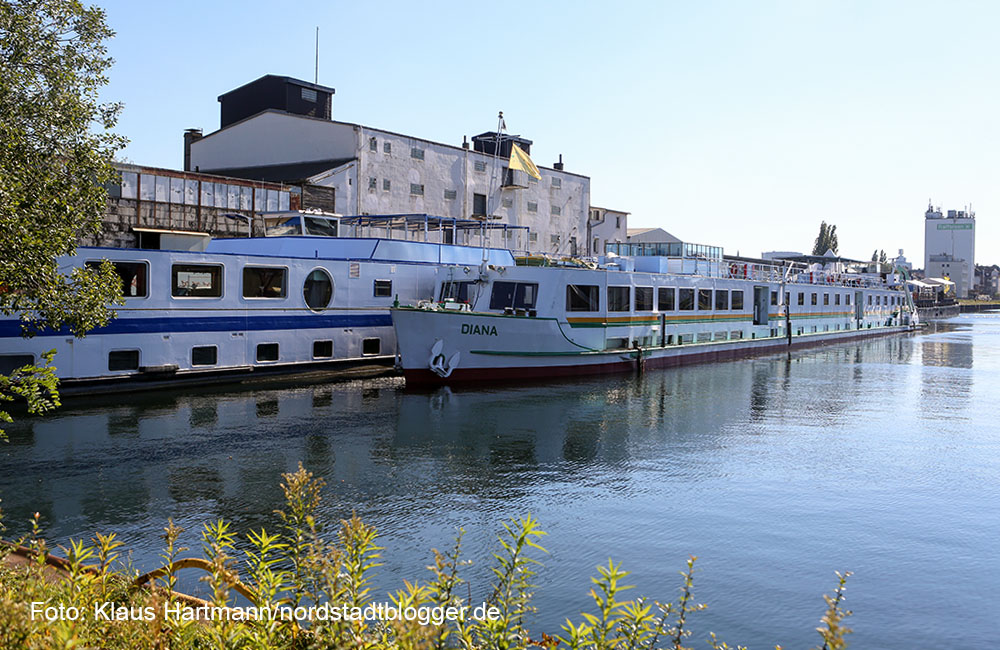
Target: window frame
[333, 289]
[666, 292]
[593, 298]
[174, 287]
[145, 263]
[635, 298]
[616, 303]
[205, 347]
[284, 284]
[375, 288]
[138, 359]
[686, 296]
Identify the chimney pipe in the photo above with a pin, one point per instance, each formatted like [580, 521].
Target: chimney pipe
[558, 165]
[465, 142]
[190, 136]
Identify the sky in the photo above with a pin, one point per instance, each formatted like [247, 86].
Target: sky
[740, 124]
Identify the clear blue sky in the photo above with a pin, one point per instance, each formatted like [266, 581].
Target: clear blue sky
[742, 124]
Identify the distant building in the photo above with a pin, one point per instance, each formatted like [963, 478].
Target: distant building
[950, 247]
[901, 262]
[267, 134]
[650, 235]
[987, 280]
[605, 226]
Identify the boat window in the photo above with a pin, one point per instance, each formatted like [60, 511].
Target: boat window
[737, 299]
[686, 299]
[455, 291]
[517, 295]
[582, 297]
[774, 297]
[847, 299]
[133, 276]
[826, 299]
[371, 346]
[320, 227]
[205, 355]
[869, 299]
[704, 299]
[382, 289]
[282, 226]
[267, 352]
[123, 360]
[722, 300]
[317, 289]
[644, 298]
[618, 298]
[322, 349]
[836, 298]
[802, 298]
[617, 343]
[264, 282]
[665, 299]
[11, 362]
[196, 281]
[813, 299]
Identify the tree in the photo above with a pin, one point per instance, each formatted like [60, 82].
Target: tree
[827, 240]
[56, 153]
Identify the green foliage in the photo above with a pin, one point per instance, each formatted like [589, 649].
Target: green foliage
[55, 159]
[299, 567]
[827, 240]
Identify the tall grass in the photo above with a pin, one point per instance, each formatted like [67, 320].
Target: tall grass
[300, 566]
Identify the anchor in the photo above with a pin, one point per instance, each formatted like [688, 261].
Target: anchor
[438, 363]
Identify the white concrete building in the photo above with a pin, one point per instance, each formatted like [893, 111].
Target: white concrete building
[606, 226]
[377, 172]
[950, 247]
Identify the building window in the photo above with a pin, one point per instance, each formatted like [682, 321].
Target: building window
[204, 355]
[644, 298]
[309, 95]
[557, 183]
[134, 277]
[704, 300]
[386, 147]
[532, 206]
[618, 222]
[417, 153]
[737, 300]
[722, 300]
[554, 240]
[267, 352]
[618, 298]
[371, 346]
[264, 282]
[479, 204]
[372, 183]
[123, 360]
[416, 189]
[373, 144]
[533, 237]
[196, 281]
[382, 289]
[556, 210]
[317, 290]
[513, 295]
[665, 299]
[450, 195]
[581, 297]
[386, 185]
[479, 166]
[322, 349]
[508, 202]
[685, 299]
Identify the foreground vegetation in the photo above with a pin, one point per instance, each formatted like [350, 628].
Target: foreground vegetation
[299, 568]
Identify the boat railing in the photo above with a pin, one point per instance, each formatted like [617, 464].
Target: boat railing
[799, 274]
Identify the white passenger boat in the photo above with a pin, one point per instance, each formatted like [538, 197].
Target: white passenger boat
[264, 305]
[667, 305]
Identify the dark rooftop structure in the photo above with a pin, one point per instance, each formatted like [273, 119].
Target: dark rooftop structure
[487, 143]
[276, 92]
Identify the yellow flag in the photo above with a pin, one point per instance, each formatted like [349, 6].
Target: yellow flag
[520, 160]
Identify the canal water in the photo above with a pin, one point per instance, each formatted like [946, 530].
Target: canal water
[880, 457]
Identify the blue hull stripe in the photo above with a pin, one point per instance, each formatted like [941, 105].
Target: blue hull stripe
[12, 328]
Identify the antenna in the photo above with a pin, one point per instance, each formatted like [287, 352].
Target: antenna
[316, 78]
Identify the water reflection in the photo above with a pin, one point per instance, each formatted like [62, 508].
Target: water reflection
[748, 462]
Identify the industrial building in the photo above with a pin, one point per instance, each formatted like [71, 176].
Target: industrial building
[280, 130]
[950, 247]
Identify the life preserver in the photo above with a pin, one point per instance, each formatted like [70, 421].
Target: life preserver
[734, 270]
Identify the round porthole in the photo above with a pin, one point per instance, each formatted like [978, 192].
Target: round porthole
[317, 289]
